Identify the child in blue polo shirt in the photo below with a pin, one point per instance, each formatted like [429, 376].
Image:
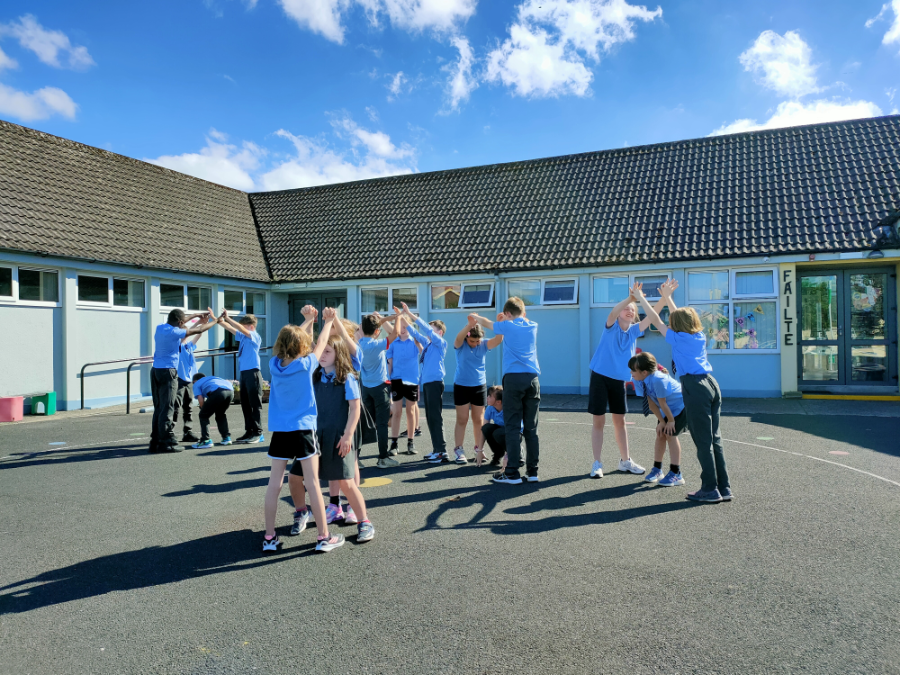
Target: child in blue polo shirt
[470, 387]
[431, 336]
[521, 389]
[214, 396]
[164, 375]
[187, 367]
[376, 392]
[701, 394]
[403, 369]
[663, 394]
[249, 342]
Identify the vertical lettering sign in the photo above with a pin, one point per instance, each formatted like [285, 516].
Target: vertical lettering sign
[787, 291]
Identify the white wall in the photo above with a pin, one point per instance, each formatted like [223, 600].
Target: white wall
[31, 358]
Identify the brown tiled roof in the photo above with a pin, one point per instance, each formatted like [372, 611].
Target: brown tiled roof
[64, 198]
[805, 189]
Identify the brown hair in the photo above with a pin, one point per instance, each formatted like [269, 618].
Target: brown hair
[349, 326]
[496, 391]
[476, 332]
[292, 342]
[644, 362]
[343, 365]
[437, 323]
[685, 320]
[514, 307]
[248, 320]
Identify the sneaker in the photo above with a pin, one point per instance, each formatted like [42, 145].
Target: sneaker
[225, 441]
[241, 439]
[432, 455]
[301, 520]
[654, 475]
[440, 457]
[333, 512]
[349, 516]
[271, 545]
[460, 456]
[329, 543]
[169, 448]
[630, 466]
[190, 438]
[711, 497]
[410, 448]
[365, 532]
[508, 478]
[531, 475]
[252, 438]
[597, 470]
[393, 450]
[671, 480]
[418, 433]
[402, 434]
[387, 463]
[203, 444]
[727, 494]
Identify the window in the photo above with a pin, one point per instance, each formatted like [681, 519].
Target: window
[444, 297]
[6, 282]
[477, 295]
[383, 300]
[98, 290]
[537, 292]
[198, 298]
[171, 295]
[38, 285]
[527, 290]
[465, 295]
[239, 303]
[192, 298]
[93, 289]
[612, 289]
[560, 292]
[651, 283]
[128, 293]
[738, 308]
[234, 301]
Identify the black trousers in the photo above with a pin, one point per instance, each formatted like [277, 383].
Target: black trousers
[183, 398]
[495, 435]
[433, 393]
[521, 404]
[163, 387]
[251, 401]
[377, 401]
[216, 404]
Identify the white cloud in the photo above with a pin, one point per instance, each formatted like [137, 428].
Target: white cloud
[796, 113]
[462, 82]
[782, 63]
[7, 61]
[548, 43]
[219, 162]
[48, 45]
[893, 34]
[249, 167]
[319, 16]
[38, 105]
[396, 85]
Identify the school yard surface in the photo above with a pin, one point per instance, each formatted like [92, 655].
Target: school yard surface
[116, 561]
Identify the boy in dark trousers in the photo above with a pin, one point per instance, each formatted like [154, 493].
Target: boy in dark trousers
[187, 366]
[249, 342]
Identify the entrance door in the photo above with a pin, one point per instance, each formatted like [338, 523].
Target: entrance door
[336, 299]
[848, 321]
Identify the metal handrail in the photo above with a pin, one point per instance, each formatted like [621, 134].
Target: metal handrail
[143, 360]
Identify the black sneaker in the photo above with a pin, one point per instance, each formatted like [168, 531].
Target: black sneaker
[531, 475]
[403, 434]
[393, 449]
[271, 545]
[508, 478]
[418, 433]
[190, 438]
[168, 448]
[246, 435]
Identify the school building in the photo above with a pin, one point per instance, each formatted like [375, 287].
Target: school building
[785, 241]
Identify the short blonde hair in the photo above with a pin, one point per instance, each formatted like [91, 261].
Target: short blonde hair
[248, 320]
[685, 320]
[514, 306]
[292, 342]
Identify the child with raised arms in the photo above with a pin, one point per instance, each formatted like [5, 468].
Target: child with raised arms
[609, 373]
[700, 391]
[292, 421]
[376, 391]
[184, 396]
[249, 343]
[664, 399]
[403, 370]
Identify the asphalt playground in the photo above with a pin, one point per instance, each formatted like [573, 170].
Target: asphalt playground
[116, 561]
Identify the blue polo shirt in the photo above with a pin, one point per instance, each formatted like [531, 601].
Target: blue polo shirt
[206, 385]
[405, 364]
[292, 402]
[661, 385]
[689, 352]
[470, 365]
[248, 350]
[493, 416]
[187, 366]
[519, 345]
[616, 347]
[356, 359]
[374, 368]
[167, 345]
[351, 385]
[435, 349]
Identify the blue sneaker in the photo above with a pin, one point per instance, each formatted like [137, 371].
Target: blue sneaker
[711, 497]
[226, 441]
[654, 475]
[252, 439]
[671, 480]
[203, 444]
[727, 494]
[365, 532]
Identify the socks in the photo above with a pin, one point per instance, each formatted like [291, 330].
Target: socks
[657, 465]
[270, 538]
[675, 468]
[335, 500]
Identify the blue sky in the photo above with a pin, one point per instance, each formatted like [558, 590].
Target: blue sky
[274, 94]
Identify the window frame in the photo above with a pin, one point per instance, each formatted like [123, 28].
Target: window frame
[631, 276]
[184, 296]
[13, 283]
[473, 305]
[237, 315]
[390, 289]
[110, 300]
[15, 298]
[557, 303]
[732, 300]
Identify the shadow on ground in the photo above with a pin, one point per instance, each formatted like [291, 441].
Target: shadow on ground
[875, 433]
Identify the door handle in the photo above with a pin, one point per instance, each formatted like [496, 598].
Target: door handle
[840, 330]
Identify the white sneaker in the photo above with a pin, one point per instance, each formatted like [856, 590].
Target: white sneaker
[597, 470]
[629, 466]
[460, 456]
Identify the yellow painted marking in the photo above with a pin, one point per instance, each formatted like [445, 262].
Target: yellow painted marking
[375, 482]
[850, 397]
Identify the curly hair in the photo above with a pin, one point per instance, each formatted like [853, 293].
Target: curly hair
[292, 342]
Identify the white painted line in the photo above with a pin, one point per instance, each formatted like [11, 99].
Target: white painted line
[20, 455]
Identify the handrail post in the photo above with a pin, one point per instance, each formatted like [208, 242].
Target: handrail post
[82, 384]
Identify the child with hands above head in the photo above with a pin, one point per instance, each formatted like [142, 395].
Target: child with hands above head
[609, 373]
[249, 342]
[184, 396]
[403, 369]
[663, 396]
[376, 391]
[470, 387]
[293, 422]
[700, 391]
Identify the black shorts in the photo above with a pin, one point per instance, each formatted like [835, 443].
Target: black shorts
[400, 390]
[606, 392]
[300, 444]
[681, 422]
[463, 395]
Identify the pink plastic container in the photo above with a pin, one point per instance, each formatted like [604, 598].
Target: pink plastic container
[11, 408]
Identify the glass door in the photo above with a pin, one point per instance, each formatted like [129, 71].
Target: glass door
[318, 300]
[847, 326]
